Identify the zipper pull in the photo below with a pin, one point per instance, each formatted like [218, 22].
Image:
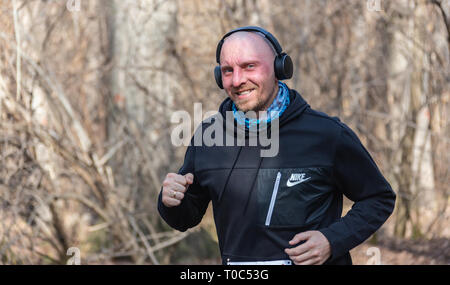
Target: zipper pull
[272, 200]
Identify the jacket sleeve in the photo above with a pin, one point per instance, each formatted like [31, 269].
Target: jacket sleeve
[359, 179]
[194, 204]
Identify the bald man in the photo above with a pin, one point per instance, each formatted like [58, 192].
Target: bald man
[248, 76]
[284, 209]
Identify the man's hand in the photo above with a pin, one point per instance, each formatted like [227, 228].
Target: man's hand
[174, 187]
[315, 251]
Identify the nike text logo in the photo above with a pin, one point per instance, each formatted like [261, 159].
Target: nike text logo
[296, 178]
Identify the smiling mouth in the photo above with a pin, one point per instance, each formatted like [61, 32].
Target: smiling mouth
[244, 93]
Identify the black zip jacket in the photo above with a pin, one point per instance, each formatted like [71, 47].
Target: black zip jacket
[320, 159]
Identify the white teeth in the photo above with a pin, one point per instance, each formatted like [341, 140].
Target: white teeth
[244, 92]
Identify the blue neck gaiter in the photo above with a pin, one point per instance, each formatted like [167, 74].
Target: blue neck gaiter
[275, 110]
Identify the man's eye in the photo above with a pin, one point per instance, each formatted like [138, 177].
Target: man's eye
[250, 66]
[227, 71]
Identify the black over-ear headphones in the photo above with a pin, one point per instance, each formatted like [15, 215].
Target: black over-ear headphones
[282, 65]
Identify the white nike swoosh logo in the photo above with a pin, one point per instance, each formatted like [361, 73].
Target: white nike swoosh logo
[293, 183]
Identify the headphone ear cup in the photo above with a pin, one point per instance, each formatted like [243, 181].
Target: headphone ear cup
[284, 68]
[218, 76]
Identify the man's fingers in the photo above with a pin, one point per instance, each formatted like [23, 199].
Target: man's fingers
[301, 249]
[178, 195]
[315, 250]
[174, 187]
[171, 202]
[310, 261]
[189, 178]
[180, 179]
[184, 180]
[299, 237]
[173, 194]
[307, 256]
[177, 187]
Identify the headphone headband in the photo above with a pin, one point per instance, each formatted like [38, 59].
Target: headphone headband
[265, 33]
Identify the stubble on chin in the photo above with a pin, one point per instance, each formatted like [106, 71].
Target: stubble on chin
[246, 106]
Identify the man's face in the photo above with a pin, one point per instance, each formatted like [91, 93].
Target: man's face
[247, 71]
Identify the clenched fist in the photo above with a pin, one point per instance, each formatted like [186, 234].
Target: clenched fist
[174, 187]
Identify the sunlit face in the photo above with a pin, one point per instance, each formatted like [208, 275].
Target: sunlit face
[248, 77]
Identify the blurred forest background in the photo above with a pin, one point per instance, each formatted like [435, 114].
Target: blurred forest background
[88, 87]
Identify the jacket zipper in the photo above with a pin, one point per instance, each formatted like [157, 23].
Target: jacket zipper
[274, 197]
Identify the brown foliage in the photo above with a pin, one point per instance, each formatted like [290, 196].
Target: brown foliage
[86, 99]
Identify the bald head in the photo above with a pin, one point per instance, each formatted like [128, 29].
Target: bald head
[254, 41]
